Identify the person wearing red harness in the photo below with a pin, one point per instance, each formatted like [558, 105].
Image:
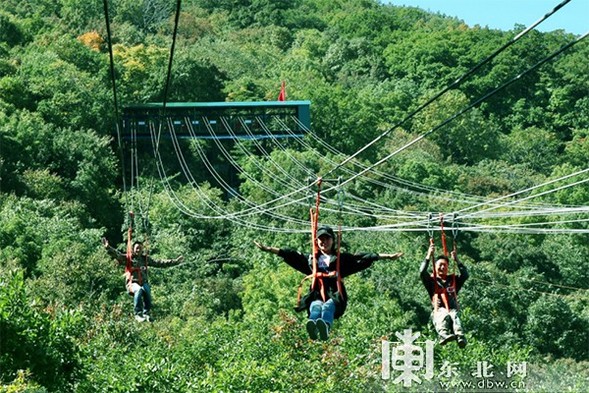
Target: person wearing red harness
[136, 276]
[325, 301]
[442, 289]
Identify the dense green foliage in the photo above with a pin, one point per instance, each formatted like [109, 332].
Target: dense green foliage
[224, 319]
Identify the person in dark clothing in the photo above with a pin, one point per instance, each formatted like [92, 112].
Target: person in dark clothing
[326, 299]
[443, 289]
[136, 276]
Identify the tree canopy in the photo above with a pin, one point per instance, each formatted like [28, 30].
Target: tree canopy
[224, 319]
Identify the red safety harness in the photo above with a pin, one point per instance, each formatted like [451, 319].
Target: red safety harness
[316, 276]
[439, 290]
[130, 270]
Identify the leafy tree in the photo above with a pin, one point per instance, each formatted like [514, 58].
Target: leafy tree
[59, 91]
[195, 79]
[577, 149]
[568, 195]
[148, 15]
[10, 32]
[34, 340]
[568, 253]
[466, 139]
[536, 148]
[552, 327]
[494, 178]
[82, 17]
[143, 72]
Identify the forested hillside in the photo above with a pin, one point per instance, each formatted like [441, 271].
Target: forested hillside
[500, 158]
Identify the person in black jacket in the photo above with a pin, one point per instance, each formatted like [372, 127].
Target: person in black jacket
[326, 299]
[443, 291]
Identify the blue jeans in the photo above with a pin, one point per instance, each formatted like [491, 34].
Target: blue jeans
[141, 298]
[324, 310]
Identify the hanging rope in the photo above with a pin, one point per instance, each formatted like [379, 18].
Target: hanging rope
[316, 275]
[170, 61]
[443, 235]
[314, 224]
[314, 215]
[114, 93]
[340, 200]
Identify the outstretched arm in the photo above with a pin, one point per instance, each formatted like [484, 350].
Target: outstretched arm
[273, 250]
[390, 256]
[165, 262]
[113, 252]
[293, 258]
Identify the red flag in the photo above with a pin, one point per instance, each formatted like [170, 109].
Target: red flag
[282, 95]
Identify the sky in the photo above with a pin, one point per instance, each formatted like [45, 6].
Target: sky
[504, 14]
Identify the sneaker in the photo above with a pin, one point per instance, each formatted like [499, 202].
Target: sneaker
[147, 318]
[323, 328]
[139, 318]
[311, 329]
[461, 341]
[446, 339]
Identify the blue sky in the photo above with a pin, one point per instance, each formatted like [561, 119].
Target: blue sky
[504, 14]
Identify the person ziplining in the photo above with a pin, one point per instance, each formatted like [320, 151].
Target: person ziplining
[136, 263]
[326, 266]
[443, 291]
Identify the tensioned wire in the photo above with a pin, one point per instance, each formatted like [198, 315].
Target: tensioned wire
[220, 210]
[555, 211]
[349, 208]
[166, 89]
[422, 136]
[115, 101]
[179, 204]
[256, 207]
[410, 187]
[205, 160]
[545, 211]
[267, 156]
[168, 78]
[169, 189]
[434, 193]
[498, 51]
[528, 212]
[222, 213]
[220, 179]
[454, 84]
[519, 288]
[513, 226]
[479, 212]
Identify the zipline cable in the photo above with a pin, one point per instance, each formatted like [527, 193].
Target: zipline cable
[523, 191]
[164, 100]
[453, 84]
[422, 136]
[115, 101]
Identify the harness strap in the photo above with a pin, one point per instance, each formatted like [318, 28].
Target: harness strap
[317, 276]
[314, 224]
[129, 268]
[439, 290]
[319, 279]
[339, 242]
